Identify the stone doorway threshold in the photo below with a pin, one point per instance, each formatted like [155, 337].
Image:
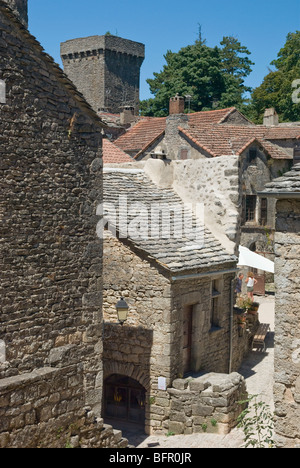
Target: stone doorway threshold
[134, 433]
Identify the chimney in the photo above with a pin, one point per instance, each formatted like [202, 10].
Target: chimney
[127, 115]
[176, 105]
[271, 117]
[20, 8]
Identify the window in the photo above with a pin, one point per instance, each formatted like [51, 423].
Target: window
[252, 154]
[264, 212]
[183, 154]
[250, 208]
[297, 155]
[215, 304]
[2, 92]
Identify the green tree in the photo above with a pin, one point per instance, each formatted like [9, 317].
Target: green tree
[214, 77]
[278, 87]
[236, 66]
[195, 71]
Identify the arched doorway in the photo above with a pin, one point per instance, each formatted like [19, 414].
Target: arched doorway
[124, 399]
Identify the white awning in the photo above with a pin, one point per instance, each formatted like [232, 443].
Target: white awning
[251, 259]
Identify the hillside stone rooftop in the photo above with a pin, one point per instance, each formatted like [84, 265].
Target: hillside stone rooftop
[196, 249]
[286, 186]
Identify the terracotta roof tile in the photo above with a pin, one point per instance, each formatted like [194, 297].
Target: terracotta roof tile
[221, 140]
[113, 154]
[149, 129]
[214, 132]
[139, 136]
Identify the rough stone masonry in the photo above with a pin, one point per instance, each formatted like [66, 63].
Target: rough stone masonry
[50, 264]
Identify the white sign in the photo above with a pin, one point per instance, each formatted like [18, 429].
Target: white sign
[2, 92]
[162, 383]
[2, 352]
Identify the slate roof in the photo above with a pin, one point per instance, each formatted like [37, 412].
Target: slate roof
[113, 154]
[177, 255]
[287, 186]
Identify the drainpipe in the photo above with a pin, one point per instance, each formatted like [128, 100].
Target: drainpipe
[231, 325]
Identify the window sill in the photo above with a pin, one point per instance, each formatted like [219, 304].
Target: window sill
[215, 329]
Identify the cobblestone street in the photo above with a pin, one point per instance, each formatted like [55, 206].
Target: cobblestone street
[257, 369]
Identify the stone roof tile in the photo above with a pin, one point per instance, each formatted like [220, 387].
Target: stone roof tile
[286, 186]
[175, 252]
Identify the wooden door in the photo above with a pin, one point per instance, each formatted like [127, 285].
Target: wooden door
[187, 338]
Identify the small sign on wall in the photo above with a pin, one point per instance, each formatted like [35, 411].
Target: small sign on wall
[2, 352]
[162, 383]
[2, 92]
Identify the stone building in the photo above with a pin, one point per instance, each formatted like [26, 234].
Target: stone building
[286, 191]
[51, 280]
[196, 142]
[180, 322]
[106, 70]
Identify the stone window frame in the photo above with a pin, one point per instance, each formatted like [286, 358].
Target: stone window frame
[217, 285]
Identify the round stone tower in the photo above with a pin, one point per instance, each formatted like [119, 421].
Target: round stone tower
[20, 8]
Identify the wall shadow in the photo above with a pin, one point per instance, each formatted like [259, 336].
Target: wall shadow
[126, 354]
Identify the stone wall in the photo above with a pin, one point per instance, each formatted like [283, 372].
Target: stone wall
[210, 341]
[206, 404]
[242, 337]
[287, 324]
[141, 348]
[20, 8]
[214, 182]
[46, 409]
[51, 184]
[150, 344]
[255, 175]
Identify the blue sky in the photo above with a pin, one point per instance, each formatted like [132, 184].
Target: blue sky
[260, 25]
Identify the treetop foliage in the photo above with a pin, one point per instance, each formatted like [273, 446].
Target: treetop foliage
[214, 78]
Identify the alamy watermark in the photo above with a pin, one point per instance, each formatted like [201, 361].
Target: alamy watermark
[141, 221]
[296, 92]
[2, 352]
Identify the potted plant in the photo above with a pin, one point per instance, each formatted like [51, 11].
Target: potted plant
[254, 308]
[244, 303]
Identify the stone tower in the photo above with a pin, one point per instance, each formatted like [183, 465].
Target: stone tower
[20, 7]
[106, 70]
